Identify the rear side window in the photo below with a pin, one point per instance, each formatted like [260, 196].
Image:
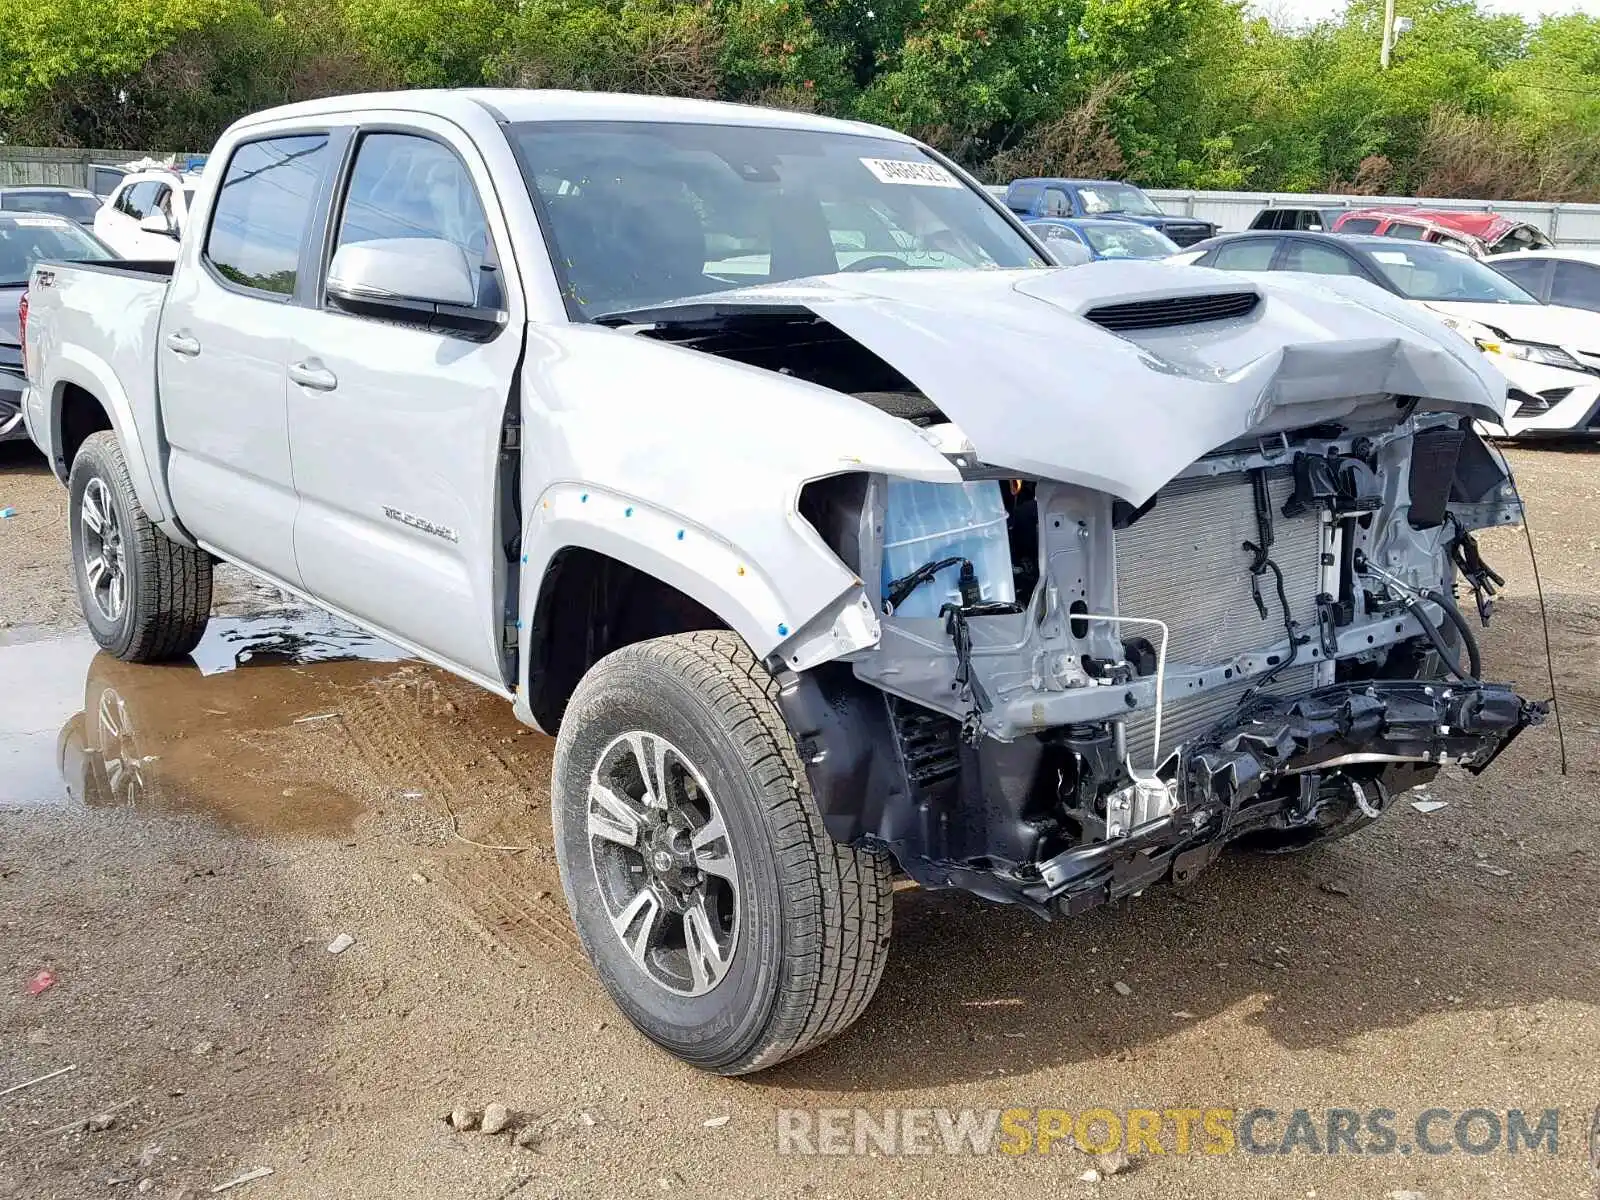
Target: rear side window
[1359, 225]
[103, 180]
[262, 211]
[1254, 254]
[1056, 203]
[1577, 285]
[1023, 197]
[1267, 218]
[1318, 260]
[1405, 231]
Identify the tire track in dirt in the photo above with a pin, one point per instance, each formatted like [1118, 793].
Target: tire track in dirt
[430, 737]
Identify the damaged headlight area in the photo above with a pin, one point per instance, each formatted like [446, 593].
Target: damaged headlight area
[1074, 696]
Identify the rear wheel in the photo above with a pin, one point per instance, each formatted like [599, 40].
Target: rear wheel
[725, 923]
[145, 597]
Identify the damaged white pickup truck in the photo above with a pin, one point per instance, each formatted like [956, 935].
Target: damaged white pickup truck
[759, 458]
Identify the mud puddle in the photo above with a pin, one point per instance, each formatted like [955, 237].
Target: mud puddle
[290, 723]
[78, 725]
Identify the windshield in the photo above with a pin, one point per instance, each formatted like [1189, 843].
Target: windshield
[27, 240]
[1116, 197]
[1131, 241]
[1425, 272]
[643, 213]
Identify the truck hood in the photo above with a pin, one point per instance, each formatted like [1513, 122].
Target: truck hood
[1018, 362]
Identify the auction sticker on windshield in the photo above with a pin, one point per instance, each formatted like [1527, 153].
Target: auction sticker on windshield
[920, 174]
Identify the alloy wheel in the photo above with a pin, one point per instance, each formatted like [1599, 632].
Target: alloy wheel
[105, 562]
[663, 860]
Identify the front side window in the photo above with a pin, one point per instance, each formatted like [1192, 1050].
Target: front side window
[1427, 272]
[407, 186]
[262, 211]
[1056, 203]
[138, 199]
[1528, 273]
[1252, 254]
[640, 213]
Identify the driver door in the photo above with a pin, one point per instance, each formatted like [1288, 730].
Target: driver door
[396, 427]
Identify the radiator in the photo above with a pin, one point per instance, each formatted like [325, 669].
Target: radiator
[1184, 563]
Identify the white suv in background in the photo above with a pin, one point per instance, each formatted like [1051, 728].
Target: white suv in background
[144, 216]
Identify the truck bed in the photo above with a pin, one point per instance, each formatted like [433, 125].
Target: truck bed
[95, 325]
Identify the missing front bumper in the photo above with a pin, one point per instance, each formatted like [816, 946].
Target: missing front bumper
[1245, 778]
[955, 815]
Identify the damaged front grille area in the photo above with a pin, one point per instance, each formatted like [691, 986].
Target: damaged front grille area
[1174, 310]
[1301, 682]
[1183, 563]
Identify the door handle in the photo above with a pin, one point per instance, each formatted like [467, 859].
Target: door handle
[312, 374]
[182, 343]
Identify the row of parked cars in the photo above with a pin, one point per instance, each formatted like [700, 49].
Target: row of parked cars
[1534, 311]
[1530, 306]
[137, 214]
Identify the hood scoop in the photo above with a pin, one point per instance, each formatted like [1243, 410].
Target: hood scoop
[1175, 310]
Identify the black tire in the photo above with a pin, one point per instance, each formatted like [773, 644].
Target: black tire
[814, 917]
[166, 596]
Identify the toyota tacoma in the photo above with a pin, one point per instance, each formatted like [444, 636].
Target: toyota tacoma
[760, 459]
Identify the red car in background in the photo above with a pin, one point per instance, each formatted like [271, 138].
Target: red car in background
[1477, 233]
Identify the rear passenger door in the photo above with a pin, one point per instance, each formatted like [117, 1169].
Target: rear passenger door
[224, 345]
[396, 426]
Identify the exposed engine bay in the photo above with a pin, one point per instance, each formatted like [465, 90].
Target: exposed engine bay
[1076, 693]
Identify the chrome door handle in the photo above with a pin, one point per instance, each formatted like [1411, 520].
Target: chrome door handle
[182, 343]
[314, 376]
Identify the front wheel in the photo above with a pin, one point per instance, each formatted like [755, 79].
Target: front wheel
[725, 923]
[144, 597]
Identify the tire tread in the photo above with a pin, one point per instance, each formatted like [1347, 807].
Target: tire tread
[838, 900]
[171, 593]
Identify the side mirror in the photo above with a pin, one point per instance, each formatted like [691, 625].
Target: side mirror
[157, 222]
[427, 281]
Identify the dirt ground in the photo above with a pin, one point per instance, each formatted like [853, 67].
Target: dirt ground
[179, 845]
